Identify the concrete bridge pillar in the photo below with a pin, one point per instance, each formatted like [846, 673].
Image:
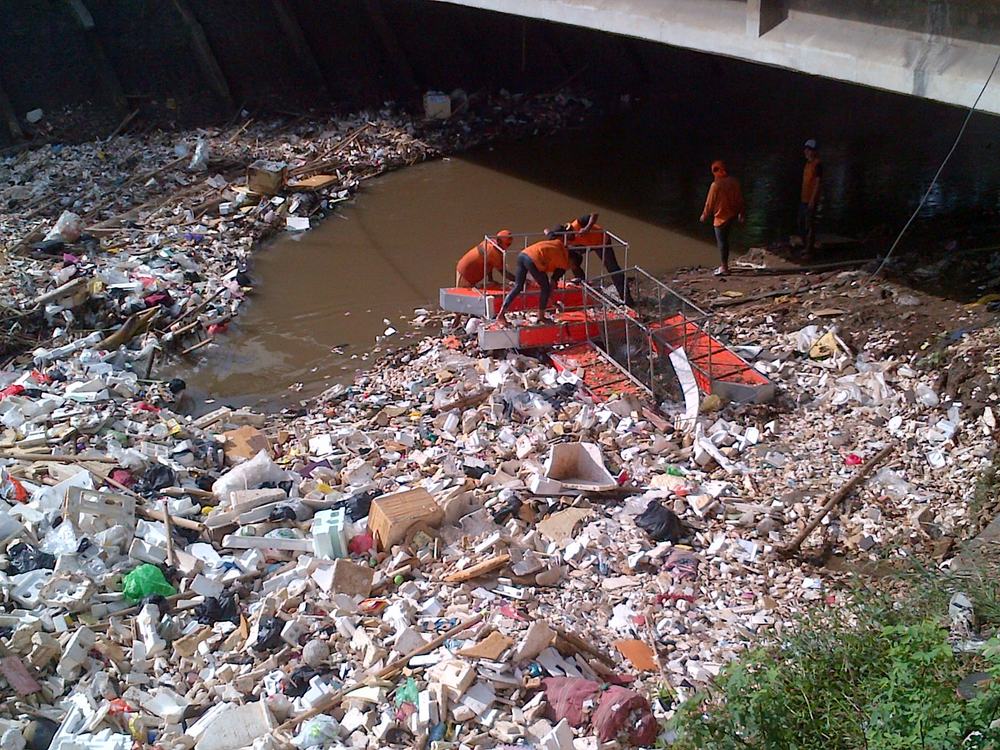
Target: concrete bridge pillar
[764, 15]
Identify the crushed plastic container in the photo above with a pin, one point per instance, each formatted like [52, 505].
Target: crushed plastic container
[579, 466]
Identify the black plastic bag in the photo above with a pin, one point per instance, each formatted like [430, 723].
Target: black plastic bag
[269, 634]
[660, 523]
[298, 681]
[23, 558]
[157, 477]
[358, 506]
[220, 609]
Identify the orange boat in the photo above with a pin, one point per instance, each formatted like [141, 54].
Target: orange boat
[486, 303]
[570, 327]
[615, 348]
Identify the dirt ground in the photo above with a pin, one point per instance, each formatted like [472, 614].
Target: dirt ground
[909, 323]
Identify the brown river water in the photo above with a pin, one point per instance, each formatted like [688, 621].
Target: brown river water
[325, 294]
[323, 297]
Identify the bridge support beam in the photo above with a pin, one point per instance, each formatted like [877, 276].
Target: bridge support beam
[764, 15]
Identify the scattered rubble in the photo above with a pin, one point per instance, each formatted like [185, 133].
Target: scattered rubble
[454, 549]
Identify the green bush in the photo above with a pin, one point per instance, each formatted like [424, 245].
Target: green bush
[865, 679]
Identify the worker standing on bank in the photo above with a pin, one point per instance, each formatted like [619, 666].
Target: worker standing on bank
[812, 191]
[586, 235]
[550, 256]
[725, 206]
[477, 266]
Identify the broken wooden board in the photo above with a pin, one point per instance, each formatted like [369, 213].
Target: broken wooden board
[562, 525]
[490, 648]
[491, 565]
[235, 541]
[244, 443]
[639, 654]
[14, 671]
[316, 182]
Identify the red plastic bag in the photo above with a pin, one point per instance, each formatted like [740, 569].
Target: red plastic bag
[567, 698]
[624, 713]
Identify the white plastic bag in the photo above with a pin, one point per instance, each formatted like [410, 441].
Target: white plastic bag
[199, 163]
[247, 476]
[68, 228]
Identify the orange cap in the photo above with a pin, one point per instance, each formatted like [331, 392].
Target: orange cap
[719, 167]
[504, 238]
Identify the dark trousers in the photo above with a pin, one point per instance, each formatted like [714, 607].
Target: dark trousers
[610, 261]
[807, 226]
[722, 241]
[526, 265]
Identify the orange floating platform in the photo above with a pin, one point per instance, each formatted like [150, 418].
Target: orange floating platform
[486, 303]
[570, 327]
[717, 369]
[600, 376]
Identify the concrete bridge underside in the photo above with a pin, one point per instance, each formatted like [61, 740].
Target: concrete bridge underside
[934, 49]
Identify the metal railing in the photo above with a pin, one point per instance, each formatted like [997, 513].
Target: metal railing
[522, 240]
[639, 339]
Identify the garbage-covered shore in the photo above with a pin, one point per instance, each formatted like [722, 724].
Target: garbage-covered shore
[458, 550]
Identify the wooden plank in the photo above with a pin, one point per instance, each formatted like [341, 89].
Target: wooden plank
[235, 541]
[203, 52]
[316, 182]
[479, 569]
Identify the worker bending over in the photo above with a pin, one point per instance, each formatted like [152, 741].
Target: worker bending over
[586, 235]
[549, 256]
[476, 267]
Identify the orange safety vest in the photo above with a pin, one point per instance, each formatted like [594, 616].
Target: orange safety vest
[594, 237]
[471, 266]
[548, 255]
[811, 174]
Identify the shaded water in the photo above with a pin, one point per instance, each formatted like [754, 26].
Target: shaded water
[323, 296]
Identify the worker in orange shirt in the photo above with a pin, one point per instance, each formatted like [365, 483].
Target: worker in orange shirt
[550, 256]
[724, 205]
[812, 187]
[587, 235]
[477, 266]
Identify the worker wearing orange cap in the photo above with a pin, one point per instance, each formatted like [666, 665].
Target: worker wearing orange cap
[549, 256]
[477, 266]
[724, 205]
[586, 235]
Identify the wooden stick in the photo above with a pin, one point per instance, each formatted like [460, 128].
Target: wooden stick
[174, 328]
[766, 295]
[387, 670]
[835, 498]
[171, 557]
[196, 347]
[582, 645]
[54, 458]
[479, 569]
[149, 513]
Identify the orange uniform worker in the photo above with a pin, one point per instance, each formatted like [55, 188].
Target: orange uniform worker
[725, 206]
[550, 256]
[586, 235]
[812, 192]
[479, 264]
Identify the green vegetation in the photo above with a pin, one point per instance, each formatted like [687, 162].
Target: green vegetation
[872, 676]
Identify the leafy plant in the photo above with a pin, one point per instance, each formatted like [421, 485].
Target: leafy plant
[867, 677]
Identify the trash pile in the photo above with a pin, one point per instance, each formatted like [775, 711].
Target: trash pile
[456, 549]
[154, 232]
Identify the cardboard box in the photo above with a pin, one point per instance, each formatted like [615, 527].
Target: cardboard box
[392, 516]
